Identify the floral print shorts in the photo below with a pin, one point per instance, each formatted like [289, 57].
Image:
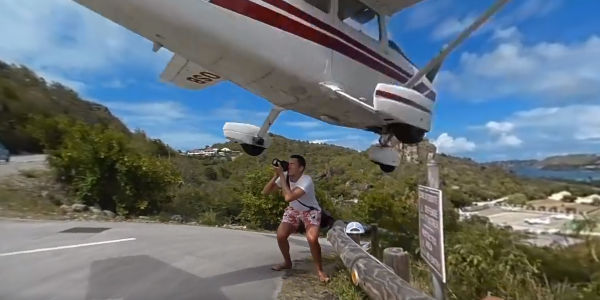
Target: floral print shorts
[309, 217]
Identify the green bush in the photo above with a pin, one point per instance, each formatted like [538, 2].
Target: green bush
[482, 259]
[208, 218]
[260, 211]
[101, 168]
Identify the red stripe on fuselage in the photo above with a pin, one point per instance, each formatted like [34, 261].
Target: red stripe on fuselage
[275, 19]
[311, 19]
[401, 99]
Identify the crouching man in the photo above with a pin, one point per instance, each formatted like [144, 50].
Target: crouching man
[299, 191]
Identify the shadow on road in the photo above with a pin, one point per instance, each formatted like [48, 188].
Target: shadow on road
[144, 277]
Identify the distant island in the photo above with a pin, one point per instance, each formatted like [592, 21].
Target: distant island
[555, 163]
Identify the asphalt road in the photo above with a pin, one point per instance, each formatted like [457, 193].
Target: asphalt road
[23, 162]
[139, 261]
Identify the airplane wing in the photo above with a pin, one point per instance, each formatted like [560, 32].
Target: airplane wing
[187, 74]
[390, 7]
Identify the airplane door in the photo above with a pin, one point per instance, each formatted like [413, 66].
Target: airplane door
[357, 65]
[319, 15]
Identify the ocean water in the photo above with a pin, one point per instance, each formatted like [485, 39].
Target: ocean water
[578, 175]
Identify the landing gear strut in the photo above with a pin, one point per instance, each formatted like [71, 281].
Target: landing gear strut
[407, 134]
[254, 140]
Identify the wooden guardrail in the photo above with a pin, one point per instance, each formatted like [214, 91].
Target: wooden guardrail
[376, 279]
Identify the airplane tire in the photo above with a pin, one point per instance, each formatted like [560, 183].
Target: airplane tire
[386, 168]
[407, 134]
[252, 150]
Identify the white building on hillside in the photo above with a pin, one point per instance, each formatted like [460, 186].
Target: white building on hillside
[559, 196]
[588, 200]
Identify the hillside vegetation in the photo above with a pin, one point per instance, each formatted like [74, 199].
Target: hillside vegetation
[101, 164]
[571, 161]
[23, 93]
[561, 162]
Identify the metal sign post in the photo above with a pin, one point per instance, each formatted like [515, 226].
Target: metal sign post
[431, 228]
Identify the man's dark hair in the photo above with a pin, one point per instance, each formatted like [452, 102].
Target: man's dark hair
[300, 159]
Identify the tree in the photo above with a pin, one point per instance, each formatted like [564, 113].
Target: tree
[211, 174]
[587, 224]
[517, 199]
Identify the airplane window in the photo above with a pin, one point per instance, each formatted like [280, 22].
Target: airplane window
[322, 5]
[360, 17]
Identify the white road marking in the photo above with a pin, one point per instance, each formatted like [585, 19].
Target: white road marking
[65, 247]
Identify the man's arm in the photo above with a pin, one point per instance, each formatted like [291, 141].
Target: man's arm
[288, 194]
[271, 186]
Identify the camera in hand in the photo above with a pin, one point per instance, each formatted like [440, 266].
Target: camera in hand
[281, 163]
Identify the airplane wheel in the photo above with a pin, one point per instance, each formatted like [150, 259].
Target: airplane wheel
[407, 134]
[386, 168]
[252, 150]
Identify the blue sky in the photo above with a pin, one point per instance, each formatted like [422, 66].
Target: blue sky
[527, 85]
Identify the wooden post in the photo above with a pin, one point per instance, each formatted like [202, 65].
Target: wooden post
[433, 181]
[375, 240]
[355, 237]
[399, 261]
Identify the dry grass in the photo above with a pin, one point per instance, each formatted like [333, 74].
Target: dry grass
[31, 194]
[302, 283]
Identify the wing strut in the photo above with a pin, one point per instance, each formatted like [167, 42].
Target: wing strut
[431, 69]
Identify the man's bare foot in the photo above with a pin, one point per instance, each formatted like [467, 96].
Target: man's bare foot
[280, 267]
[323, 277]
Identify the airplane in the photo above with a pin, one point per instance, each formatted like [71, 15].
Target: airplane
[535, 221]
[331, 60]
[563, 217]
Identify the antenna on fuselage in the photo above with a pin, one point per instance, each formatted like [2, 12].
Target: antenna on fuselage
[432, 68]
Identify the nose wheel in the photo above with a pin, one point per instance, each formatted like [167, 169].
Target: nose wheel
[386, 168]
[252, 150]
[384, 154]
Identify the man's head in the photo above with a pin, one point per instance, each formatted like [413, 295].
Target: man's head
[297, 165]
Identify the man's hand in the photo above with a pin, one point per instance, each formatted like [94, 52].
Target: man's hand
[278, 170]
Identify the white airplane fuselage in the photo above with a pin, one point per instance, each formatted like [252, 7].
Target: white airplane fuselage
[280, 50]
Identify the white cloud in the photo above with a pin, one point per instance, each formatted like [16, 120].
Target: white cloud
[509, 140]
[145, 114]
[322, 141]
[451, 27]
[426, 13]
[450, 145]
[550, 130]
[230, 113]
[75, 85]
[573, 122]
[304, 124]
[499, 127]
[511, 33]
[545, 71]
[503, 23]
[534, 8]
[318, 134]
[115, 84]
[70, 43]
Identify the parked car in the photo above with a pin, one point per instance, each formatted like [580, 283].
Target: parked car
[4, 154]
